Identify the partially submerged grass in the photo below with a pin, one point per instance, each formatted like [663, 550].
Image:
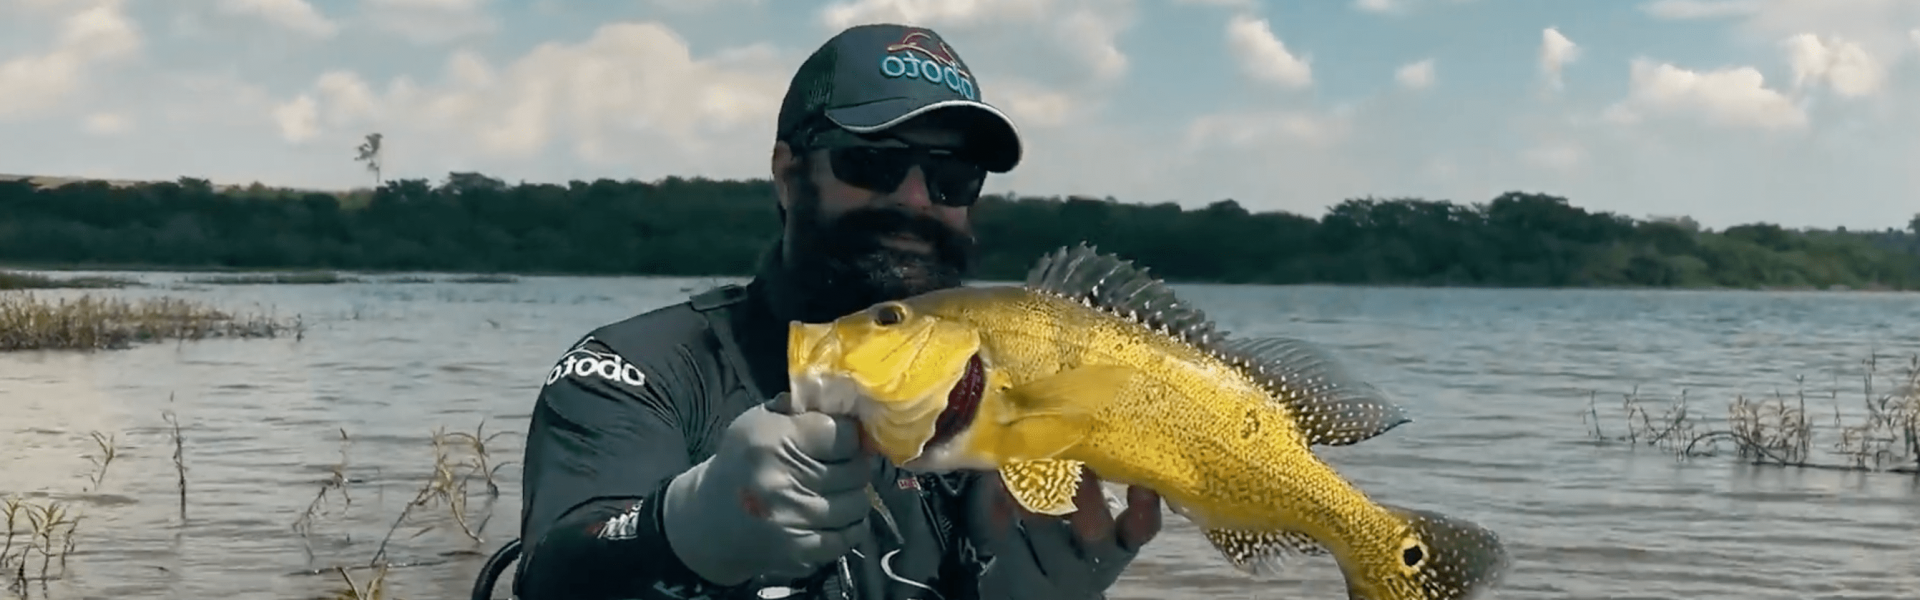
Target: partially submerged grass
[40, 534]
[311, 278]
[1780, 430]
[13, 280]
[97, 323]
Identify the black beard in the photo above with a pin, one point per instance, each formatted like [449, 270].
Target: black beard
[844, 266]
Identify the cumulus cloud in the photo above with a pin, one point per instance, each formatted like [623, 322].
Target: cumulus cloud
[673, 106]
[1555, 52]
[1263, 56]
[1084, 31]
[1376, 6]
[95, 35]
[1845, 67]
[1729, 98]
[1879, 26]
[1416, 75]
[294, 15]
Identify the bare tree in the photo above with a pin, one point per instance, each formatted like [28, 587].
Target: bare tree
[370, 154]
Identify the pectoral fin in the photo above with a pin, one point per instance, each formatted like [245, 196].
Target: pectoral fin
[1044, 417]
[1044, 486]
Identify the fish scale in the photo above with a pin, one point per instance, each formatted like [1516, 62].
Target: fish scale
[1092, 362]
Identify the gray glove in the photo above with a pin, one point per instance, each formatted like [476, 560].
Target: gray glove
[783, 494]
[1039, 557]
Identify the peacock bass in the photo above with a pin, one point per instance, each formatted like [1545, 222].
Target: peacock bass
[1093, 362]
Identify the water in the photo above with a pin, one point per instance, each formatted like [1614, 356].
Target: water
[1497, 379]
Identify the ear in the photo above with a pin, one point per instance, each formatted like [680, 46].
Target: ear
[781, 164]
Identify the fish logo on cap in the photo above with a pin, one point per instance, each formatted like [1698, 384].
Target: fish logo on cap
[925, 42]
[940, 66]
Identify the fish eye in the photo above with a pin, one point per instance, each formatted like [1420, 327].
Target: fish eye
[1412, 554]
[889, 314]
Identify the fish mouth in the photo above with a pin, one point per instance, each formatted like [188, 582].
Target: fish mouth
[963, 402]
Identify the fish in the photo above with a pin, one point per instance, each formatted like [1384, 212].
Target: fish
[1094, 363]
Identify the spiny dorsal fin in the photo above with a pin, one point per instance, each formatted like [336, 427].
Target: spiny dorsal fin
[1099, 280]
[1330, 406]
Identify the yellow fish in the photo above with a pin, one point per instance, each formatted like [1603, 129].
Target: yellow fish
[1093, 362]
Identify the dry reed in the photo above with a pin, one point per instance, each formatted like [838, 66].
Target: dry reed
[305, 278]
[13, 280]
[1781, 431]
[95, 323]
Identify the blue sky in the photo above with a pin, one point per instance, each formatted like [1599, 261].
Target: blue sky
[1798, 112]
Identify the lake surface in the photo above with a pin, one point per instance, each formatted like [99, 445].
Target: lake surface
[1498, 381]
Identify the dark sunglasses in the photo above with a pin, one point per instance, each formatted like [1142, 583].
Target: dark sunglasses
[951, 180]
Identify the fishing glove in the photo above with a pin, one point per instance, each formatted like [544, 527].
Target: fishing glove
[783, 494]
[1041, 558]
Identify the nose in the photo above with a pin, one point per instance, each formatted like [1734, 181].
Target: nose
[913, 192]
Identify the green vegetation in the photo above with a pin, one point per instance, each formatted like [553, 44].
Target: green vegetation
[28, 322]
[698, 227]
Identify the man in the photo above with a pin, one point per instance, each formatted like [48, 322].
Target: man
[664, 460]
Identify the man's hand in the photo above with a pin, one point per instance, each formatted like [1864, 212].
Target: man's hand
[1078, 556]
[784, 493]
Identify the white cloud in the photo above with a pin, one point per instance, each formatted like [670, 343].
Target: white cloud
[431, 21]
[106, 124]
[1239, 4]
[95, 36]
[1731, 97]
[672, 107]
[298, 119]
[1842, 65]
[1415, 75]
[1264, 57]
[1085, 31]
[1879, 26]
[295, 15]
[1555, 52]
[1376, 6]
[1700, 9]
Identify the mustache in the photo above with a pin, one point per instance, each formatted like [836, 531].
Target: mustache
[863, 229]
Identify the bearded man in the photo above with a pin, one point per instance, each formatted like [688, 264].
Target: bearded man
[665, 460]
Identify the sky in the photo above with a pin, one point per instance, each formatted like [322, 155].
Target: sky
[1804, 113]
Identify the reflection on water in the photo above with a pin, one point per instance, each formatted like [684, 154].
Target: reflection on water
[1497, 381]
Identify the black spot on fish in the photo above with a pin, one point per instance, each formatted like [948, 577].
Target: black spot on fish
[1412, 555]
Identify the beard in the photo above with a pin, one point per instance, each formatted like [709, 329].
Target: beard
[842, 264]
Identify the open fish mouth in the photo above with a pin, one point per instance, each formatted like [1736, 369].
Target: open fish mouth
[963, 402]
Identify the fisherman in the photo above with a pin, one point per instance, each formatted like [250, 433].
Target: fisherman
[664, 460]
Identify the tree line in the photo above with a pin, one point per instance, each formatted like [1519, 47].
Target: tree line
[680, 226]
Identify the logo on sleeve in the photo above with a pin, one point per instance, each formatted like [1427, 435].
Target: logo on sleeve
[585, 362]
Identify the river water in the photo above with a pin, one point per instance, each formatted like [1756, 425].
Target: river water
[1498, 381]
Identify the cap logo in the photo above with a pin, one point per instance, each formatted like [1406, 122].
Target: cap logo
[920, 55]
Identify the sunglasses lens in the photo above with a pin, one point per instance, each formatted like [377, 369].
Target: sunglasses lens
[953, 182]
[879, 169]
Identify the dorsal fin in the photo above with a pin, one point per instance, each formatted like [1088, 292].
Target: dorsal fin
[1331, 407]
[1099, 280]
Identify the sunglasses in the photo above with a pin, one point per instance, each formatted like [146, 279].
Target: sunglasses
[876, 166]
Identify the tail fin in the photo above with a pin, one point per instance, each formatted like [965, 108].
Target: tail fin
[1448, 558]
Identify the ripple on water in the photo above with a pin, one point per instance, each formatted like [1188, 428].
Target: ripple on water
[1497, 381]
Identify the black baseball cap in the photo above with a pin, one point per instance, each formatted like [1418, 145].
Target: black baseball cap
[870, 78]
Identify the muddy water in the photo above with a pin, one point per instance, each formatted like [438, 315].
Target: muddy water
[1498, 381]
